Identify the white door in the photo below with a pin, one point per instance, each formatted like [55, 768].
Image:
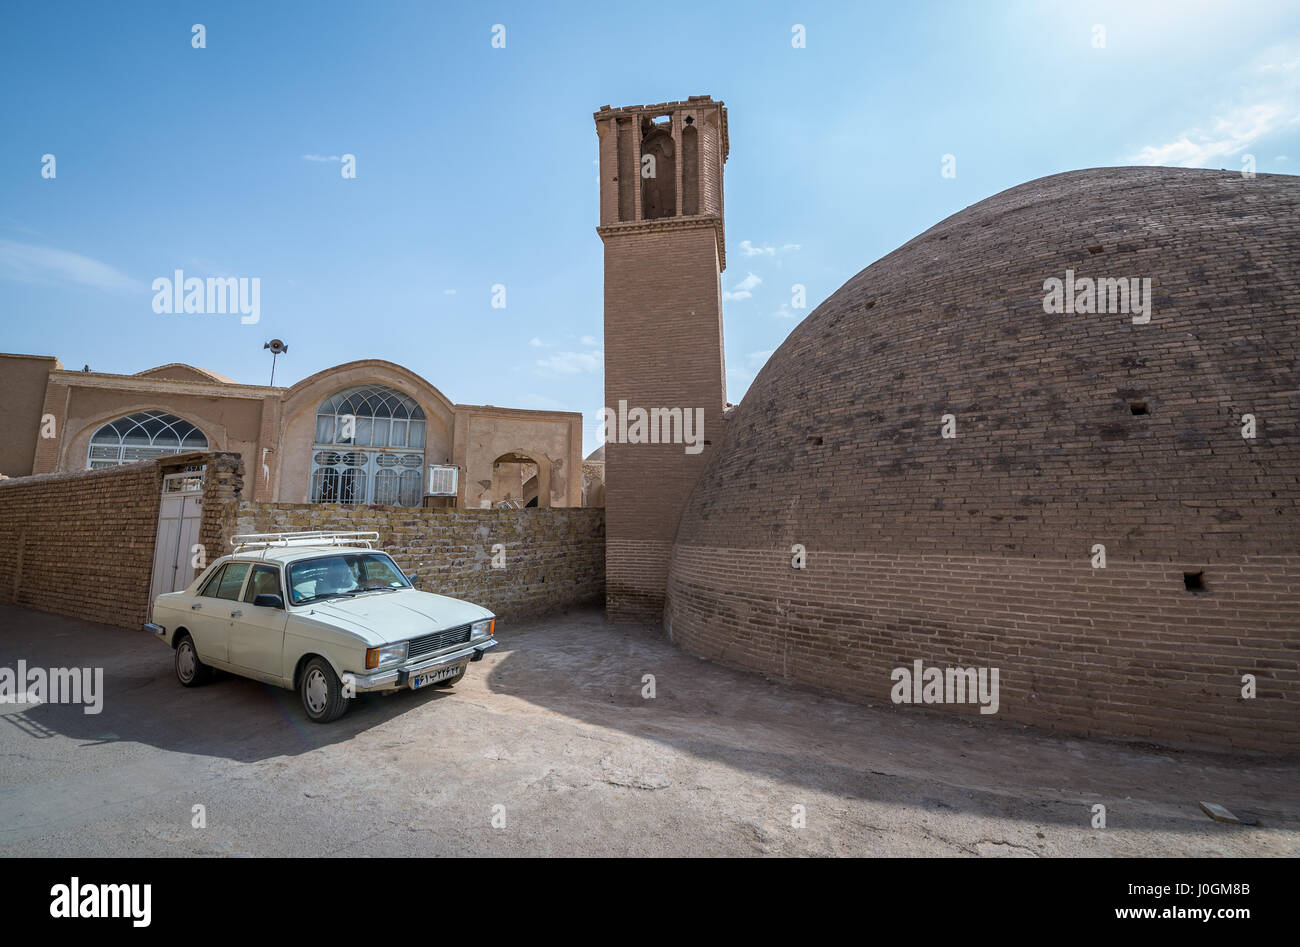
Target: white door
[179, 517]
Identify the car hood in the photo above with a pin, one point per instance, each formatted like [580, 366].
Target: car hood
[395, 616]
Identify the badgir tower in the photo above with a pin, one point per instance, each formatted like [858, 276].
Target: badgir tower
[1113, 519]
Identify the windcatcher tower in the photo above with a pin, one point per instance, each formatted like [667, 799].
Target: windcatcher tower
[662, 224]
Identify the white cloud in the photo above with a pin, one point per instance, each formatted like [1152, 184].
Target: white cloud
[1270, 103]
[590, 340]
[536, 342]
[449, 292]
[748, 249]
[743, 288]
[321, 158]
[30, 264]
[574, 363]
[1288, 61]
[1225, 136]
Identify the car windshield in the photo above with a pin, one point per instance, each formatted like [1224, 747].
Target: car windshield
[347, 573]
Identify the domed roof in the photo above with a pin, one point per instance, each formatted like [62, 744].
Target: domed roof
[1070, 427]
[180, 371]
[1099, 533]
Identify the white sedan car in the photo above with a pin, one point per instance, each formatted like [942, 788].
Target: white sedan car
[321, 613]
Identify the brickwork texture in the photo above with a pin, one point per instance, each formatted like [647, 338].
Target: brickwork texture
[82, 544]
[1072, 430]
[663, 334]
[553, 558]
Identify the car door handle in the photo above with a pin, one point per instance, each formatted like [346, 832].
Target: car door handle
[236, 613]
[195, 607]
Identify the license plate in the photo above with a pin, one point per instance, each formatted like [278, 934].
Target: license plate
[433, 677]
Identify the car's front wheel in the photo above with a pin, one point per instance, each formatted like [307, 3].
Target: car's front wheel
[190, 671]
[321, 692]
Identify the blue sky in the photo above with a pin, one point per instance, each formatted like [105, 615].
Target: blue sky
[475, 166]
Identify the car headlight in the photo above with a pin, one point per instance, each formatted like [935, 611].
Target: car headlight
[485, 627]
[385, 654]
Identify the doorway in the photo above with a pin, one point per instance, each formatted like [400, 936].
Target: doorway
[179, 516]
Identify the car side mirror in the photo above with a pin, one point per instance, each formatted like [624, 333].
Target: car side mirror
[268, 600]
[413, 578]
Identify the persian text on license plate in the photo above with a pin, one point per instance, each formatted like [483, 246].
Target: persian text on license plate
[433, 677]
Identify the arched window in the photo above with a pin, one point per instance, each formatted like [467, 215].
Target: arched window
[658, 175]
[690, 170]
[143, 435]
[369, 448]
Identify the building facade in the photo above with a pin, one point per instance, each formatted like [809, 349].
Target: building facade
[363, 433]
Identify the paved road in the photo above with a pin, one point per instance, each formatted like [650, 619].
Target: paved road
[552, 727]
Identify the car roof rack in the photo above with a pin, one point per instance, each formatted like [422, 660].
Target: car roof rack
[319, 537]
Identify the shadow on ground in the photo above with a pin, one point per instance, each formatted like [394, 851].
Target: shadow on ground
[580, 671]
[581, 666]
[232, 717]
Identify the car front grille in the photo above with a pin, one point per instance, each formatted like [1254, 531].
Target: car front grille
[428, 644]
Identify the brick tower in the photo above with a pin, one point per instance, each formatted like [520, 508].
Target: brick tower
[661, 222]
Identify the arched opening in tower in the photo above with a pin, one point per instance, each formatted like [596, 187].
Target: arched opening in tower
[690, 170]
[658, 174]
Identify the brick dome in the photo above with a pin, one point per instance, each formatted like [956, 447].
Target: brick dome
[1072, 430]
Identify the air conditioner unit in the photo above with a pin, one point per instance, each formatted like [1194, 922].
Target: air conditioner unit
[442, 480]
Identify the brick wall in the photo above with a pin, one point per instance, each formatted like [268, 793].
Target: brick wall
[81, 544]
[663, 335]
[223, 488]
[663, 349]
[1099, 652]
[974, 551]
[555, 558]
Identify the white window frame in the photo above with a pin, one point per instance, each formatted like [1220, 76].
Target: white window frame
[126, 425]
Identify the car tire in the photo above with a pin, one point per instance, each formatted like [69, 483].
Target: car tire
[190, 671]
[455, 679]
[321, 692]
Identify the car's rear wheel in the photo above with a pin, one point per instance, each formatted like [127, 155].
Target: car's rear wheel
[190, 671]
[455, 678]
[321, 692]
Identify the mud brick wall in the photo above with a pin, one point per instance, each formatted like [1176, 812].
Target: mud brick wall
[223, 486]
[663, 334]
[555, 558]
[975, 550]
[81, 544]
[663, 348]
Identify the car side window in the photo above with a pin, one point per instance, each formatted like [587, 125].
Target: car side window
[232, 580]
[265, 581]
[209, 589]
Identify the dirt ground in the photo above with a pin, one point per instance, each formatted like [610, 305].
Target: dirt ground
[550, 735]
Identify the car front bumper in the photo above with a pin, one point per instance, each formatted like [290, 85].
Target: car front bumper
[401, 676]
